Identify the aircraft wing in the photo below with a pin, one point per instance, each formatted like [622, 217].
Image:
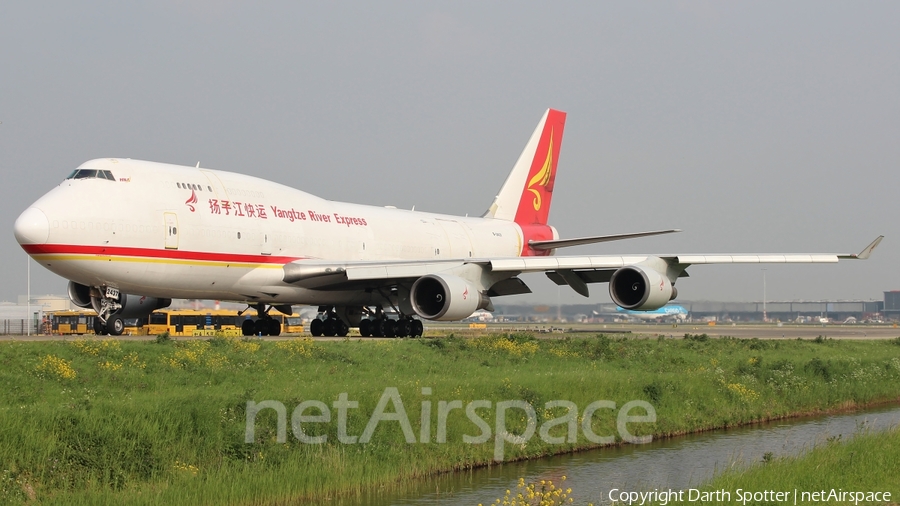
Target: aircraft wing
[575, 271]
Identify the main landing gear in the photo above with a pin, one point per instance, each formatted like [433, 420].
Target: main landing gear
[328, 323]
[385, 327]
[265, 325]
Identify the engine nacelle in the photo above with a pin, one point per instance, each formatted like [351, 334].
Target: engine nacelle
[133, 306]
[641, 289]
[138, 306]
[446, 298]
[80, 295]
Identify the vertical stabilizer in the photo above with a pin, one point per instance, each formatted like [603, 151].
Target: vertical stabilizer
[525, 196]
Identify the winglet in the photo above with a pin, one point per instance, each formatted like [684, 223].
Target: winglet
[866, 252]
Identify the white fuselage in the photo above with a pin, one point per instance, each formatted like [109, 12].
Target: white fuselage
[183, 232]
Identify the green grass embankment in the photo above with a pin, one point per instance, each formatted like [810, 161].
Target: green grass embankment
[862, 470]
[110, 421]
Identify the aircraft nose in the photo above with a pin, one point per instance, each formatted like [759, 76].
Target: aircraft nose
[32, 227]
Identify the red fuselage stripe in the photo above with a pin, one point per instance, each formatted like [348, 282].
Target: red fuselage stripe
[71, 249]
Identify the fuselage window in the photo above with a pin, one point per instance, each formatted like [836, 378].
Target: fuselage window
[210, 188]
[179, 184]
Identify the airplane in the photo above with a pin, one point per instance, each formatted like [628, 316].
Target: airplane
[666, 312]
[131, 235]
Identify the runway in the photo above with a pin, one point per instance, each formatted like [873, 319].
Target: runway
[644, 330]
[550, 331]
[772, 331]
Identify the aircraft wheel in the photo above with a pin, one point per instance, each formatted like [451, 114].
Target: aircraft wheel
[247, 327]
[378, 328]
[99, 327]
[316, 327]
[365, 327]
[417, 329]
[329, 327]
[261, 327]
[390, 328]
[115, 325]
[342, 329]
[403, 328]
[274, 327]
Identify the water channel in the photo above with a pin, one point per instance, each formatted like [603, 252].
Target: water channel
[676, 463]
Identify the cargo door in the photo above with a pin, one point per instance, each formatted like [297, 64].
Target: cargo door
[215, 185]
[460, 243]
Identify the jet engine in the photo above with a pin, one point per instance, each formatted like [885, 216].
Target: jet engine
[133, 306]
[446, 297]
[638, 288]
[80, 295]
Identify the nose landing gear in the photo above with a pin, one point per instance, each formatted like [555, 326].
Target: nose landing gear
[107, 320]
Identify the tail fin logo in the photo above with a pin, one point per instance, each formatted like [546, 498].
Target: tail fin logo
[191, 201]
[543, 177]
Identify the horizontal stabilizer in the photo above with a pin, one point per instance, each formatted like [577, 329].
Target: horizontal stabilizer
[563, 243]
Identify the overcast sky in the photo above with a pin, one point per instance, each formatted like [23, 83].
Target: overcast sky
[754, 127]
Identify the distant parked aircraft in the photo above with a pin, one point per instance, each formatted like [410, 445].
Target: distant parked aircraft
[666, 312]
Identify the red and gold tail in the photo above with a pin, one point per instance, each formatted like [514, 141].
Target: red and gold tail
[526, 195]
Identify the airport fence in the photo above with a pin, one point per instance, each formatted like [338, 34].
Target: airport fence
[16, 327]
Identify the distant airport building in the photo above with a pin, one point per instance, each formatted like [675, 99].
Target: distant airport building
[836, 311]
[892, 305]
[49, 302]
[785, 311]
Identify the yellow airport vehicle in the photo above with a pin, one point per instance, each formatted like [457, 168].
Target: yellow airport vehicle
[183, 322]
[210, 322]
[292, 324]
[67, 323]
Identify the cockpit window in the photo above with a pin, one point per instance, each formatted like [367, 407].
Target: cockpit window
[84, 174]
[91, 174]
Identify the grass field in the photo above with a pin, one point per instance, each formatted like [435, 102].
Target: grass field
[867, 464]
[104, 421]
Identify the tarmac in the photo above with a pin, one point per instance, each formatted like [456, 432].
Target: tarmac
[550, 331]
